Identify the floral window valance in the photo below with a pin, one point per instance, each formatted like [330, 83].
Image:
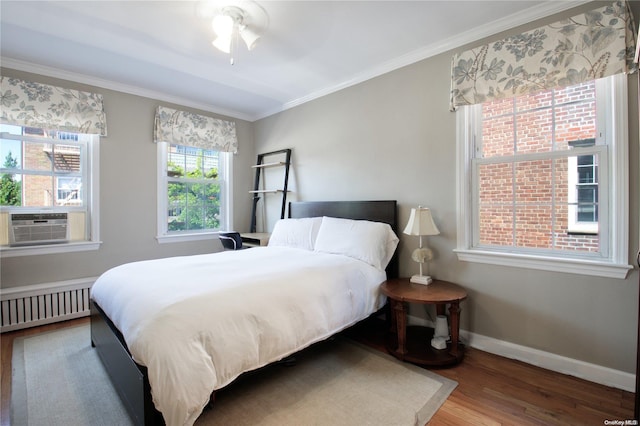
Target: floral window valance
[584, 47]
[186, 128]
[30, 104]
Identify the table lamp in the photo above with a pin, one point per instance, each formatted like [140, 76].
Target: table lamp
[421, 224]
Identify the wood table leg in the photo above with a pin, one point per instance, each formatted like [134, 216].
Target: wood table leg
[391, 316]
[454, 314]
[401, 326]
[409, 342]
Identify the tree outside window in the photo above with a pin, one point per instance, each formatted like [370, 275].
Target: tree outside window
[193, 189]
[10, 189]
[50, 170]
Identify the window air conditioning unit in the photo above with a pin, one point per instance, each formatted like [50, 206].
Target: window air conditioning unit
[38, 228]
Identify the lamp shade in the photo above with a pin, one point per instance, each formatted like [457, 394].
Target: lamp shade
[223, 44]
[421, 223]
[249, 37]
[223, 25]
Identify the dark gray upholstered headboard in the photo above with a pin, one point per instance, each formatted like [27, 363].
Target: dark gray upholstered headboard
[377, 211]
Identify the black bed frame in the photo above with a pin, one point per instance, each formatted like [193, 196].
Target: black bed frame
[130, 379]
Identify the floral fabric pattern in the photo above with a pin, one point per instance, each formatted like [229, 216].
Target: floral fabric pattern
[29, 104]
[186, 128]
[584, 47]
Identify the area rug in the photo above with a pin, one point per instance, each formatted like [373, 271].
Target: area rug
[58, 379]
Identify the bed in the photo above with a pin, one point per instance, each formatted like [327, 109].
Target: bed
[187, 326]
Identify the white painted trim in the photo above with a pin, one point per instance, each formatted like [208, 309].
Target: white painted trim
[584, 370]
[466, 37]
[119, 87]
[181, 238]
[547, 360]
[91, 176]
[162, 234]
[6, 252]
[464, 131]
[612, 127]
[161, 187]
[573, 367]
[618, 123]
[537, 12]
[227, 197]
[544, 263]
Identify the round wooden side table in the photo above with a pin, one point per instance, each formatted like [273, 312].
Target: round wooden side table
[413, 343]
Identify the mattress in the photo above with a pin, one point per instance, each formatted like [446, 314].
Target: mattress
[198, 322]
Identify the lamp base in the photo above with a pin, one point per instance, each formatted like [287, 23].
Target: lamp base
[439, 343]
[421, 279]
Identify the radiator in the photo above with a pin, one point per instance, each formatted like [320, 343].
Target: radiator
[33, 305]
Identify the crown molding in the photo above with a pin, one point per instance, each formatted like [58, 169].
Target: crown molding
[546, 9]
[465, 37]
[19, 65]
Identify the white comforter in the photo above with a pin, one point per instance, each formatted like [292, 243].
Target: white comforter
[198, 322]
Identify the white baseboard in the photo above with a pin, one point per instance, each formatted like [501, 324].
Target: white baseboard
[40, 295]
[573, 367]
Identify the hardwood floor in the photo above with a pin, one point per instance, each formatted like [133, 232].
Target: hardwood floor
[492, 390]
[6, 349]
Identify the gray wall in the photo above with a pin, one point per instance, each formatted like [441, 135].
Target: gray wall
[389, 138]
[127, 194]
[393, 137]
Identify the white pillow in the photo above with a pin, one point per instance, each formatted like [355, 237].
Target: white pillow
[296, 233]
[371, 242]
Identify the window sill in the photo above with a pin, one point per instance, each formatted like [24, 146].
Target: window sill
[570, 266]
[181, 238]
[7, 251]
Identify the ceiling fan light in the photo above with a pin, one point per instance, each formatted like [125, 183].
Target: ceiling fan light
[249, 37]
[223, 25]
[223, 44]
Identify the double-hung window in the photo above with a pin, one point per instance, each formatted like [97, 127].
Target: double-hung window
[49, 168]
[193, 191]
[543, 179]
[195, 155]
[542, 145]
[45, 173]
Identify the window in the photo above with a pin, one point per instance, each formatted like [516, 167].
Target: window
[543, 180]
[193, 191]
[69, 190]
[49, 172]
[583, 191]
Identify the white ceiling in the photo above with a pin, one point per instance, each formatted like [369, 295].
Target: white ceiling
[162, 49]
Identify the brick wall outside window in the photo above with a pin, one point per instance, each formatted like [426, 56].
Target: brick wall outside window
[36, 190]
[543, 122]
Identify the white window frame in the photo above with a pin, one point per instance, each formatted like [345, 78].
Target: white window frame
[59, 179]
[91, 180]
[611, 97]
[576, 226]
[226, 190]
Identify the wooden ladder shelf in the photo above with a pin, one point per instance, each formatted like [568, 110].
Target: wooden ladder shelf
[257, 192]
